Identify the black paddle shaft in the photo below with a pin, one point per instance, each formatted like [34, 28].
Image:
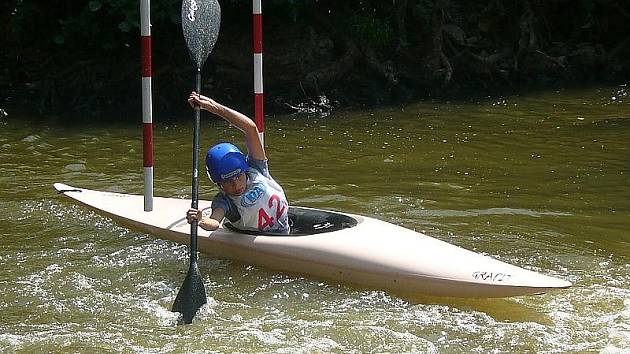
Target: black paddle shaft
[195, 171]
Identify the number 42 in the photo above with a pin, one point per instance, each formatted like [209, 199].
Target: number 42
[267, 221]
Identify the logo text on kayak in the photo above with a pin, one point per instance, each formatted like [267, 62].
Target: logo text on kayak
[491, 276]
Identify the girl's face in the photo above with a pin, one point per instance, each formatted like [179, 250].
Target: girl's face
[235, 185]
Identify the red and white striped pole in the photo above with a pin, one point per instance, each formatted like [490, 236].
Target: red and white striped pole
[147, 110]
[257, 48]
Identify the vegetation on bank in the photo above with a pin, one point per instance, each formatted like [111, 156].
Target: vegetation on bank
[82, 57]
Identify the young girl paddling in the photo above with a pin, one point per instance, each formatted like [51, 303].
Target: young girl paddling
[249, 198]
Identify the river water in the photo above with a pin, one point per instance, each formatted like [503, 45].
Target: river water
[541, 181]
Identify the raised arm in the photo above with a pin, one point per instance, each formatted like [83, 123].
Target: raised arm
[255, 148]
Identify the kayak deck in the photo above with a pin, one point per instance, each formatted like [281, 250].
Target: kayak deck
[338, 246]
[303, 222]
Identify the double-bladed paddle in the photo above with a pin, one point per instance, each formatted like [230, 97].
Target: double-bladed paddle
[201, 20]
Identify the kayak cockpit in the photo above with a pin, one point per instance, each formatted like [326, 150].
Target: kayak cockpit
[306, 221]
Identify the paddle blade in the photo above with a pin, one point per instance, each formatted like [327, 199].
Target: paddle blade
[201, 20]
[191, 296]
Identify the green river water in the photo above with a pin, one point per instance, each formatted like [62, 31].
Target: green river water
[541, 181]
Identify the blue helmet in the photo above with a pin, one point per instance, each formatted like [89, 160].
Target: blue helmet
[225, 161]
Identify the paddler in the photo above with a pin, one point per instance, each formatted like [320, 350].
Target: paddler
[249, 198]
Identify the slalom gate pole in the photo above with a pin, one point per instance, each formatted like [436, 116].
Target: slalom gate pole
[147, 105]
[257, 49]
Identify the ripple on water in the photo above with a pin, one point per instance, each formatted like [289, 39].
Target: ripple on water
[75, 167]
[478, 212]
[619, 330]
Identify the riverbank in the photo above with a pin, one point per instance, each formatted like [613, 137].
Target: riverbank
[327, 57]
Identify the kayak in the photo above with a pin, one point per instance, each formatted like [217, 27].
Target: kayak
[331, 245]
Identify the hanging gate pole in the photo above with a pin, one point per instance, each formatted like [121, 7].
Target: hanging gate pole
[257, 49]
[147, 110]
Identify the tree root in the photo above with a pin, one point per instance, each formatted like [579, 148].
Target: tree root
[328, 75]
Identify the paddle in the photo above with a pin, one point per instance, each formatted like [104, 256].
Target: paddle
[201, 20]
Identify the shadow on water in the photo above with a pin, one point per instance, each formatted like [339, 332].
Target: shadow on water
[509, 310]
[500, 309]
[612, 123]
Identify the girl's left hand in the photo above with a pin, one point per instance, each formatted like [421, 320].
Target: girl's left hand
[193, 214]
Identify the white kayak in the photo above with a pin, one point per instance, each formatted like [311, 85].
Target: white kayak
[332, 245]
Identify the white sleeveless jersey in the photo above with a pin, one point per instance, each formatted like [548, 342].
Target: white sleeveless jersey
[263, 206]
